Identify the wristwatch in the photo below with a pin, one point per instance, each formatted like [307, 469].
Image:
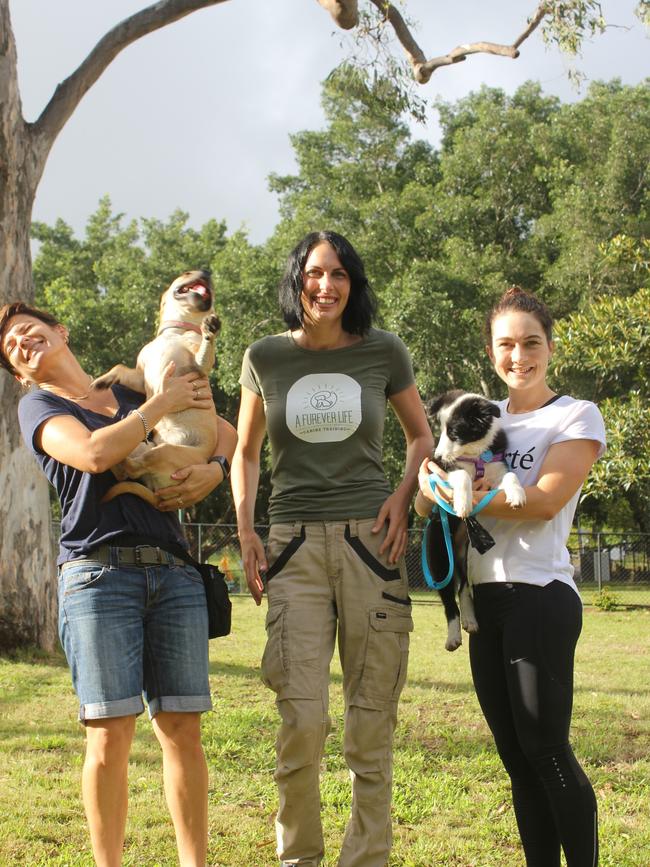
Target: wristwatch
[223, 463]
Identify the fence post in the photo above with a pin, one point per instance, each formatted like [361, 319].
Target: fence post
[200, 542]
[598, 563]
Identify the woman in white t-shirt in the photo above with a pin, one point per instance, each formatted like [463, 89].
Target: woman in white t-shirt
[527, 604]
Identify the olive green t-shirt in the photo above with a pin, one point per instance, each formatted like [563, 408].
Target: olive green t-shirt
[325, 412]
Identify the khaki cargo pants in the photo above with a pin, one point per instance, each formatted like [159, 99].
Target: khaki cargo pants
[324, 578]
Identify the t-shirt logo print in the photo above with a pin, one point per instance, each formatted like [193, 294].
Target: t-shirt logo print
[324, 407]
[323, 399]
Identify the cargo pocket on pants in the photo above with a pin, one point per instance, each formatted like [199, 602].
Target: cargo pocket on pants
[382, 570]
[386, 658]
[275, 659]
[286, 552]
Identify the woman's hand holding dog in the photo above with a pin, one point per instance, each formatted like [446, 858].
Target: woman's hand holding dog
[425, 498]
[189, 391]
[194, 484]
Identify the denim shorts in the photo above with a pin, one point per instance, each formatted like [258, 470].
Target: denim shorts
[131, 632]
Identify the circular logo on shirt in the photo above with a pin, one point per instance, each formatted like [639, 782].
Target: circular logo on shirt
[323, 399]
[324, 407]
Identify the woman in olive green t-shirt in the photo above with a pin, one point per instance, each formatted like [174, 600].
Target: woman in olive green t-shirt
[334, 561]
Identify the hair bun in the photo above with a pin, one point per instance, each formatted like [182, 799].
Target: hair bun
[517, 299]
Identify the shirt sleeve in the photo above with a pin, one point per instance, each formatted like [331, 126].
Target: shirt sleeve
[249, 378]
[401, 372]
[584, 423]
[34, 409]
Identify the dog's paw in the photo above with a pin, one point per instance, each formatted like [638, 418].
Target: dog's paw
[515, 494]
[210, 326]
[462, 506]
[120, 472]
[454, 636]
[516, 499]
[461, 485]
[105, 381]
[470, 625]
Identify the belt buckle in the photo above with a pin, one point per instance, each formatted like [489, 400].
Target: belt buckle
[137, 555]
[154, 556]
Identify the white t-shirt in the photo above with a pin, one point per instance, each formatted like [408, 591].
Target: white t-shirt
[535, 552]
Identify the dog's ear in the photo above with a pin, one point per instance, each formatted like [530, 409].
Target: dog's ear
[433, 406]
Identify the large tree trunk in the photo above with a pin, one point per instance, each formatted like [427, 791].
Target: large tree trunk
[27, 570]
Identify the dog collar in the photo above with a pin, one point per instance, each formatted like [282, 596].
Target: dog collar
[487, 457]
[176, 323]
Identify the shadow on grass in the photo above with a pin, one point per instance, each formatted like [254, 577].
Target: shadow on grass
[248, 672]
[465, 688]
[609, 691]
[34, 656]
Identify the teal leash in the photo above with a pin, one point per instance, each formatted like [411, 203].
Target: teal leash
[444, 509]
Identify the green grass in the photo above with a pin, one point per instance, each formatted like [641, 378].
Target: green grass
[451, 798]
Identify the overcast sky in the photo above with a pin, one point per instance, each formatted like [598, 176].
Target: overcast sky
[198, 114]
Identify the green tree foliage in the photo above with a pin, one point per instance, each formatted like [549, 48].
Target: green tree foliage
[594, 162]
[107, 286]
[522, 189]
[603, 353]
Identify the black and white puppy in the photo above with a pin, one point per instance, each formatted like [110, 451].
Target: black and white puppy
[471, 445]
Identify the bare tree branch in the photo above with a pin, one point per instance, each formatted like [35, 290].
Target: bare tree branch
[344, 12]
[542, 10]
[423, 68]
[413, 51]
[69, 93]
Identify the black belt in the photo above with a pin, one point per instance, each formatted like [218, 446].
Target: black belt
[141, 555]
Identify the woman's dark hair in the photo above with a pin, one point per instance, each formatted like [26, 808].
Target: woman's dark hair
[517, 299]
[18, 308]
[362, 305]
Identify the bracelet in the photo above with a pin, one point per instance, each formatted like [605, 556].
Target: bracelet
[223, 463]
[144, 423]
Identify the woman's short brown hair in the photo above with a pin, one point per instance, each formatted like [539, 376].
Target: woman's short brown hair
[18, 308]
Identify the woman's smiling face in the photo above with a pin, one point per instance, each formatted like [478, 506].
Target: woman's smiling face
[326, 285]
[520, 350]
[28, 343]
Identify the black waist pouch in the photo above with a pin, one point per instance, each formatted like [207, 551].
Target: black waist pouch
[217, 599]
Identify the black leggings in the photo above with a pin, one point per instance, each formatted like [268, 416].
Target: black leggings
[522, 666]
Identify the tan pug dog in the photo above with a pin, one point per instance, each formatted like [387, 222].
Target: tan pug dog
[186, 336]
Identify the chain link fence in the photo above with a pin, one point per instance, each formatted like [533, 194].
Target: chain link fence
[616, 563]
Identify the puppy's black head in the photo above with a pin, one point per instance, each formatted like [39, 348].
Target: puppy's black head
[467, 424]
[471, 419]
